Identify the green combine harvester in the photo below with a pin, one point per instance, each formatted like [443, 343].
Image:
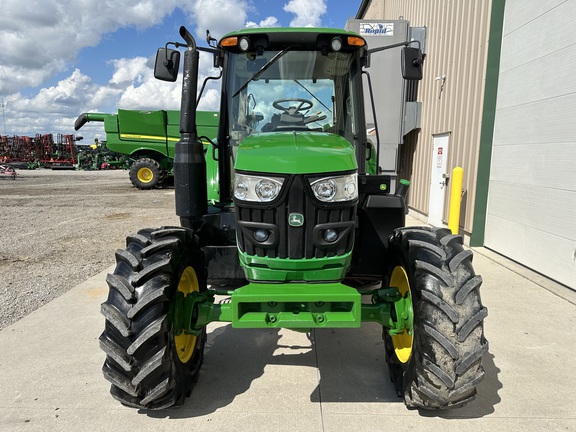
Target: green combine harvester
[148, 138]
[284, 216]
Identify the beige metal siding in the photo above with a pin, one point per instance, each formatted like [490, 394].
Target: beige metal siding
[457, 46]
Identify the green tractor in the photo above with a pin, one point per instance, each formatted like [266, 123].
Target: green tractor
[285, 216]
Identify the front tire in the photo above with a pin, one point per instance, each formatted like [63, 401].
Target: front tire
[146, 173]
[438, 364]
[149, 366]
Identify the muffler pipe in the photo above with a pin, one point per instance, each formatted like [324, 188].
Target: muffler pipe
[189, 162]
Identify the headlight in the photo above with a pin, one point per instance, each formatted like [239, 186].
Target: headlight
[335, 189]
[256, 188]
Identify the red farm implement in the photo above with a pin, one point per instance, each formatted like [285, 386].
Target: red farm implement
[40, 150]
[8, 171]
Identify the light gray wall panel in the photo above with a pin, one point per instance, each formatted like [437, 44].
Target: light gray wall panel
[544, 77]
[537, 208]
[544, 164]
[533, 246]
[531, 216]
[543, 121]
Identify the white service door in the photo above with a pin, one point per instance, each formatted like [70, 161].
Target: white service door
[438, 180]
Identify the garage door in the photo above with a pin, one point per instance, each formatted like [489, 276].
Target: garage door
[531, 216]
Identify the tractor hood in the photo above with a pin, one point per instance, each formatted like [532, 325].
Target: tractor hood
[295, 153]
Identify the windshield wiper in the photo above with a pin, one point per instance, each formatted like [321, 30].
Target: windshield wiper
[263, 69]
[313, 95]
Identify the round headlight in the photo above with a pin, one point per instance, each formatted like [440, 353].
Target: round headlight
[261, 235]
[336, 44]
[330, 235]
[350, 190]
[244, 44]
[325, 190]
[267, 190]
[241, 190]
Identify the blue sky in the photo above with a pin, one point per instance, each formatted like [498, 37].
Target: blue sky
[89, 55]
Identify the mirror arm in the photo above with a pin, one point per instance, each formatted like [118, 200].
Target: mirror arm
[210, 40]
[168, 62]
[204, 85]
[417, 62]
[375, 118]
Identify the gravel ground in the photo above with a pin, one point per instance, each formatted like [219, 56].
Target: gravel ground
[59, 228]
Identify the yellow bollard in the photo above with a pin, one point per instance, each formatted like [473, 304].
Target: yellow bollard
[455, 200]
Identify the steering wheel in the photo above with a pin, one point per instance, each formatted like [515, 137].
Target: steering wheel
[303, 105]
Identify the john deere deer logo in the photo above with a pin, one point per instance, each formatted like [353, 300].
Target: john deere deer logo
[296, 219]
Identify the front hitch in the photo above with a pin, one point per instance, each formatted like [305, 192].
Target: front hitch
[294, 305]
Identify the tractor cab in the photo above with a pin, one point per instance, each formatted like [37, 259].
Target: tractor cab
[303, 83]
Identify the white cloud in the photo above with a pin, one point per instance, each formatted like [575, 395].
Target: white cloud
[268, 22]
[210, 100]
[218, 16]
[53, 109]
[151, 94]
[130, 70]
[40, 39]
[308, 12]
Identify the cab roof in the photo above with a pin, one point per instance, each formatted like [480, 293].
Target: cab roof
[281, 37]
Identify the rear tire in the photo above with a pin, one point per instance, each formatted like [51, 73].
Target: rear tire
[146, 173]
[148, 366]
[442, 364]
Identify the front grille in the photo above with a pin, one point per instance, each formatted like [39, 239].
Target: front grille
[292, 242]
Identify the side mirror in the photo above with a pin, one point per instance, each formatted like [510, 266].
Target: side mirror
[411, 64]
[167, 64]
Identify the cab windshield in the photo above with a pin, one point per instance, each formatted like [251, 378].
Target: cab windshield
[291, 90]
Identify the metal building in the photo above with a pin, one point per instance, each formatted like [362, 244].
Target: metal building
[451, 93]
[498, 99]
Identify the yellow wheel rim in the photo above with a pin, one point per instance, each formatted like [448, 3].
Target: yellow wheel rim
[186, 343]
[145, 175]
[403, 341]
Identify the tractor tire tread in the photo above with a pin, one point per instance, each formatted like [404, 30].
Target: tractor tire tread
[121, 284]
[446, 362]
[119, 381]
[458, 259]
[152, 364]
[147, 300]
[116, 353]
[123, 255]
[138, 239]
[151, 331]
[141, 363]
[471, 285]
[442, 305]
[116, 319]
[157, 246]
[151, 270]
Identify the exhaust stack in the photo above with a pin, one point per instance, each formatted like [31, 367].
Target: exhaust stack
[189, 162]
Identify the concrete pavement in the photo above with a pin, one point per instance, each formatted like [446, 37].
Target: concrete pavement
[337, 380]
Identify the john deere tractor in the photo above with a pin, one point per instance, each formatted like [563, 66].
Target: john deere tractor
[286, 216]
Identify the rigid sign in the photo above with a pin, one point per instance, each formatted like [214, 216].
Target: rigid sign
[376, 29]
